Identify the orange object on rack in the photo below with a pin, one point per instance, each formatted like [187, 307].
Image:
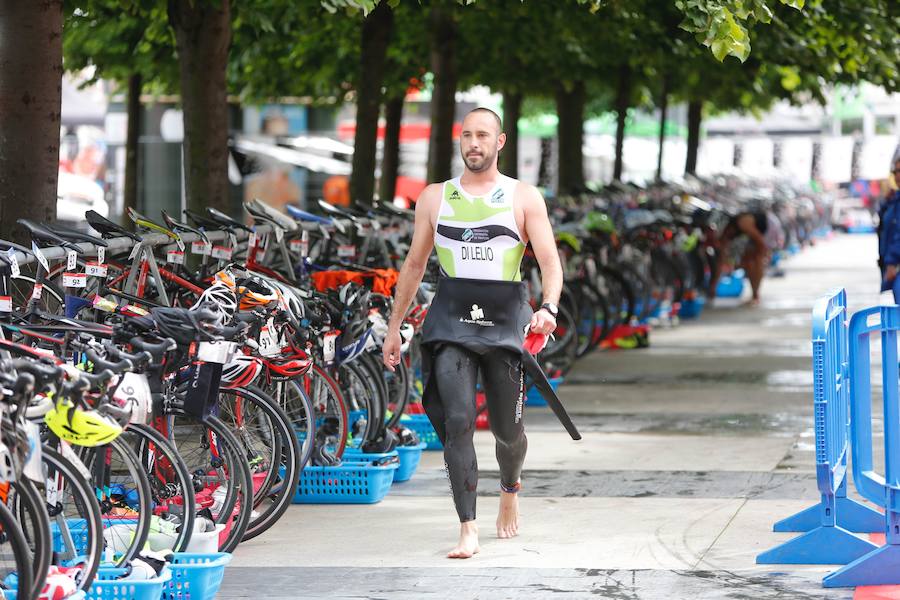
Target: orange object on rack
[382, 281]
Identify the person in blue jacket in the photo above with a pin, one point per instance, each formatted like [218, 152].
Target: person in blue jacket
[889, 238]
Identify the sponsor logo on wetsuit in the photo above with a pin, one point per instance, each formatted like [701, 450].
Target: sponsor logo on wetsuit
[520, 401]
[477, 317]
[467, 235]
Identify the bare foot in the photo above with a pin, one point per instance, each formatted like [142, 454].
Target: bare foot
[508, 517]
[468, 541]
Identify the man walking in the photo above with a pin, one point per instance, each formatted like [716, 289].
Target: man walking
[479, 224]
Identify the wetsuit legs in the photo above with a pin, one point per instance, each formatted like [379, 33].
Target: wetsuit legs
[501, 373]
[455, 373]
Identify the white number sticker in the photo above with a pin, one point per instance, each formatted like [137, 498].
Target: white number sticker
[175, 257]
[101, 255]
[180, 243]
[221, 252]
[301, 247]
[201, 247]
[71, 260]
[346, 251]
[6, 304]
[251, 239]
[135, 251]
[96, 269]
[37, 291]
[13, 263]
[75, 280]
[40, 256]
[329, 343]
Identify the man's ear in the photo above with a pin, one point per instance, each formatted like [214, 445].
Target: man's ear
[501, 141]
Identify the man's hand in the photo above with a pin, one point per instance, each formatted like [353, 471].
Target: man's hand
[542, 322]
[390, 350]
[890, 272]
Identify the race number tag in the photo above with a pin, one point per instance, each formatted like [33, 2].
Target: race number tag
[71, 260]
[6, 304]
[201, 247]
[221, 252]
[96, 269]
[134, 390]
[175, 257]
[215, 352]
[135, 251]
[329, 343]
[40, 256]
[251, 240]
[101, 255]
[13, 263]
[37, 291]
[180, 243]
[268, 340]
[346, 251]
[279, 234]
[74, 280]
[301, 247]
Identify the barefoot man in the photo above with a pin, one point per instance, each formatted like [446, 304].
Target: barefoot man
[479, 224]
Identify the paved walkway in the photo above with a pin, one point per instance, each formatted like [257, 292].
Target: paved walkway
[692, 449]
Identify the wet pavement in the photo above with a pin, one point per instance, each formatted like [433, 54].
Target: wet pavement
[692, 449]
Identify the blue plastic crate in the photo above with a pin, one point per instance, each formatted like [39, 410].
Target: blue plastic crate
[534, 398]
[409, 461]
[424, 429]
[691, 309]
[350, 483]
[731, 286]
[79, 532]
[107, 586]
[195, 576]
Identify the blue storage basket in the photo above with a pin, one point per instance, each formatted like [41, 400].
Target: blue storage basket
[424, 429]
[349, 483]
[409, 461]
[107, 586]
[79, 532]
[195, 576]
[691, 309]
[731, 286]
[534, 398]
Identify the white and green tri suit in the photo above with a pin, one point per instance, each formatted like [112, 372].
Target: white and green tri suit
[477, 237]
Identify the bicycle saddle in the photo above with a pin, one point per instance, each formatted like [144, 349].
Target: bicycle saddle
[201, 220]
[43, 235]
[178, 226]
[265, 213]
[76, 236]
[302, 215]
[225, 220]
[386, 208]
[149, 224]
[107, 228]
[338, 212]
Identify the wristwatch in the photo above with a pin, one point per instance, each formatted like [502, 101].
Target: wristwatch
[550, 308]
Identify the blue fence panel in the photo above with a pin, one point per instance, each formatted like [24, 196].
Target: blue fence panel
[881, 566]
[828, 524]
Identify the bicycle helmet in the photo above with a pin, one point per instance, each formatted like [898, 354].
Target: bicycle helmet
[600, 222]
[220, 299]
[385, 442]
[407, 436]
[288, 367]
[253, 292]
[241, 371]
[81, 427]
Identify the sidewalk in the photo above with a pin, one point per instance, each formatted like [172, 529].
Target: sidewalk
[692, 449]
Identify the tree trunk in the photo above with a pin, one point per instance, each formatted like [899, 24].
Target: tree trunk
[390, 153]
[512, 110]
[570, 136]
[376, 33]
[443, 98]
[623, 102]
[695, 114]
[203, 35]
[135, 84]
[663, 109]
[30, 98]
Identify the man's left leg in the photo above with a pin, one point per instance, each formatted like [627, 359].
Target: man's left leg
[501, 373]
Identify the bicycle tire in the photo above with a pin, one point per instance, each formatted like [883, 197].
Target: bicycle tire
[28, 508]
[296, 404]
[21, 553]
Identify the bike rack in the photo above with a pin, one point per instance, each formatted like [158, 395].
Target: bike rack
[881, 566]
[828, 524]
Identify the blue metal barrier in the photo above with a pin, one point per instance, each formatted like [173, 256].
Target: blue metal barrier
[882, 565]
[828, 524]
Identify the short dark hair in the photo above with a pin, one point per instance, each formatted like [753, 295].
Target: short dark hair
[492, 113]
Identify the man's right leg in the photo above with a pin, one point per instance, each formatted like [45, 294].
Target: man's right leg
[455, 373]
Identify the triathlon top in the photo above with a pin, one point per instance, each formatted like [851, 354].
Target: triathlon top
[477, 237]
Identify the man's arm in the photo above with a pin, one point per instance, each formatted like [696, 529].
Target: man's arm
[416, 261]
[543, 244]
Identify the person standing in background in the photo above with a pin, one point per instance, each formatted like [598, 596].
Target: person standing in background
[889, 236]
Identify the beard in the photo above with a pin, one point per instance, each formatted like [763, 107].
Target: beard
[479, 162]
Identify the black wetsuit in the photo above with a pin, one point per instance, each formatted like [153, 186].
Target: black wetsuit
[455, 370]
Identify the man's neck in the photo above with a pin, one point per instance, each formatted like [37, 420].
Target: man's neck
[486, 177]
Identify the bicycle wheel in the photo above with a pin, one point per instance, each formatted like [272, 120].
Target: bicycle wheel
[75, 524]
[28, 507]
[399, 386]
[171, 488]
[15, 555]
[559, 354]
[272, 449]
[593, 322]
[329, 406]
[363, 399]
[298, 407]
[219, 471]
